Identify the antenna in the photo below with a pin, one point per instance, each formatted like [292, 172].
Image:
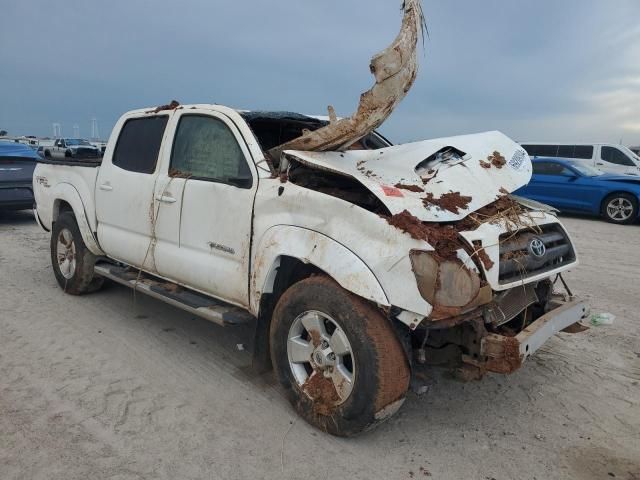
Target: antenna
[57, 130]
[95, 133]
[76, 131]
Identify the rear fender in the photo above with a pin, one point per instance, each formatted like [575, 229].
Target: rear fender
[65, 192]
[316, 249]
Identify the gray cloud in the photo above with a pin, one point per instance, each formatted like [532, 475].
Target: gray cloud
[558, 70]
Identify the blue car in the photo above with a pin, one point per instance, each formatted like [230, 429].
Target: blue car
[571, 186]
[17, 162]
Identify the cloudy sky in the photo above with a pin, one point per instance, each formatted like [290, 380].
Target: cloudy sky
[561, 70]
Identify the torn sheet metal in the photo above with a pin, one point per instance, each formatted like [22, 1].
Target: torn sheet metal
[416, 178]
[395, 70]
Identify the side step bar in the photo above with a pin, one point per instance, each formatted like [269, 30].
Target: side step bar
[183, 298]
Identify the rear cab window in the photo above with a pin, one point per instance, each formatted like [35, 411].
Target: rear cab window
[139, 143]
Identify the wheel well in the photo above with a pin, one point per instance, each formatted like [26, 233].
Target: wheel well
[290, 270]
[617, 192]
[59, 207]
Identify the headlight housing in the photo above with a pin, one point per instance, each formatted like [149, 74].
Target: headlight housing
[444, 283]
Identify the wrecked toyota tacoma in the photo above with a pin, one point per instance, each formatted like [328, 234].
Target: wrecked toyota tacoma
[356, 260]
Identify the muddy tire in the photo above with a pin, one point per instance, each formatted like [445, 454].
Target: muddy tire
[620, 208]
[337, 356]
[72, 262]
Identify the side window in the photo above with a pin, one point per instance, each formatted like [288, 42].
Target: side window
[139, 144]
[583, 151]
[205, 149]
[547, 150]
[550, 168]
[566, 151]
[541, 168]
[542, 150]
[613, 155]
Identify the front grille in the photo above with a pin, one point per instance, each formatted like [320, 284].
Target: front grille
[518, 259]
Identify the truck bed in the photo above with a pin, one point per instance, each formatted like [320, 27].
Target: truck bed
[71, 181]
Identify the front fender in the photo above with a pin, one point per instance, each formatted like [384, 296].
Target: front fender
[317, 249]
[65, 192]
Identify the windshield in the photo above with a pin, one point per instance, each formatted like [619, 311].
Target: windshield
[586, 170]
[76, 141]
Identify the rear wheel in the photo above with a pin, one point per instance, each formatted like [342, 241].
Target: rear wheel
[620, 208]
[338, 357]
[72, 262]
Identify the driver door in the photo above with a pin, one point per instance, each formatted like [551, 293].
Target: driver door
[209, 189]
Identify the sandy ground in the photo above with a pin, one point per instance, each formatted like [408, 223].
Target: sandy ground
[102, 387]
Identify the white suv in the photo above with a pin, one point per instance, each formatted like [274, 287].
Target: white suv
[607, 157]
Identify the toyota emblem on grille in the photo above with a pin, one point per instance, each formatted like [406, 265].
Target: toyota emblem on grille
[537, 248]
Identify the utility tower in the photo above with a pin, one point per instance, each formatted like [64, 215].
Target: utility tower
[57, 130]
[76, 131]
[95, 133]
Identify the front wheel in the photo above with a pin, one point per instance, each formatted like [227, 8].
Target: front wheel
[71, 260]
[337, 356]
[620, 208]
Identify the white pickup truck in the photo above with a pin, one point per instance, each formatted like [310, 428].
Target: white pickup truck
[71, 148]
[357, 266]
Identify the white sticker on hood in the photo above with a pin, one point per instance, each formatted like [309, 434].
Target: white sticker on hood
[518, 160]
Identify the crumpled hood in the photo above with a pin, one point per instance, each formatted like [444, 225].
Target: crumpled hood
[484, 167]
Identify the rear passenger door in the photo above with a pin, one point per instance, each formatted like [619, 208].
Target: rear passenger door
[124, 191]
[211, 187]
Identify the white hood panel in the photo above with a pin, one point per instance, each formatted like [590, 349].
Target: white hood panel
[381, 170]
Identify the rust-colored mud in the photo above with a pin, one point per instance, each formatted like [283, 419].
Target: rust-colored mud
[510, 360]
[483, 256]
[496, 159]
[175, 173]
[484, 164]
[170, 106]
[452, 201]
[503, 208]
[315, 337]
[514, 255]
[444, 238]
[323, 393]
[411, 188]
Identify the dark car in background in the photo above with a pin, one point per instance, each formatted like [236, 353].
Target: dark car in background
[572, 186]
[17, 162]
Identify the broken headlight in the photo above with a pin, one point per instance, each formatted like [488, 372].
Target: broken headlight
[446, 283]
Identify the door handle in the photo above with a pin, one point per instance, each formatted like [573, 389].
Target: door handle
[165, 199]
[599, 163]
[106, 187]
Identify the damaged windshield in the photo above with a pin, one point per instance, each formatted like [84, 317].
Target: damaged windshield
[275, 128]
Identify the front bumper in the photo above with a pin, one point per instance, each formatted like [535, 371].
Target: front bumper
[503, 354]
